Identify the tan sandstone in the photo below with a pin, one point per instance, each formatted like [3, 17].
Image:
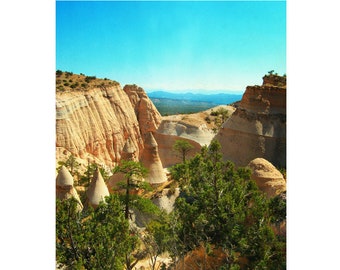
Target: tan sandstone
[64, 187]
[151, 160]
[258, 126]
[267, 177]
[97, 190]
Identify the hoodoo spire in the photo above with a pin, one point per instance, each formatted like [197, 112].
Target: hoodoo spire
[97, 190]
[64, 187]
[151, 160]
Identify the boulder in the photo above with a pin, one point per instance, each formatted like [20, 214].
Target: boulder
[267, 177]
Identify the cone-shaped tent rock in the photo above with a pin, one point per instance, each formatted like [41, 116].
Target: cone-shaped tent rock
[64, 177]
[97, 190]
[151, 161]
[129, 151]
[267, 177]
[64, 187]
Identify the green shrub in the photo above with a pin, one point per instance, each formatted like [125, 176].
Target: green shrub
[61, 88]
[75, 85]
[89, 78]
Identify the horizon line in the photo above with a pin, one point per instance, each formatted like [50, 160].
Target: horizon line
[196, 91]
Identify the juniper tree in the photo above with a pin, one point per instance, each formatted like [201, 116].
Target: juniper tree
[221, 207]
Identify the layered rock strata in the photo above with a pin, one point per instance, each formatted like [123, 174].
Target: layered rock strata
[258, 126]
[198, 127]
[96, 124]
[267, 177]
[147, 115]
[97, 190]
[64, 187]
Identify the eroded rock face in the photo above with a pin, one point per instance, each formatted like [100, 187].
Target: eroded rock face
[267, 177]
[197, 127]
[147, 115]
[258, 126]
[64, 187]
[95, 125]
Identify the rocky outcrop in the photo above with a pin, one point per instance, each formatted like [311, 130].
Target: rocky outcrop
[95, 124]
[147, 115]
[151, 160]
[258, 126]
[166, 199]
[97, 190]
[198, 127]
[64, 187]
[267, 177]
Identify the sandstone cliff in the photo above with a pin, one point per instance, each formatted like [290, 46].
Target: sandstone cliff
[147, 115]
[95, 124]
[258, 126]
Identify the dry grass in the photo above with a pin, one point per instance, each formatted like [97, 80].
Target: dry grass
[69, 82]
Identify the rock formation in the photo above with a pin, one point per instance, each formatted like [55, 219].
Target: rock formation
[147, 115]
[166, 153]
[198, 127]
[95, 124]
[258, 126]
[151, 160]
[166, 199]
[129, 153]
[267, 177]
[64, 187]
[97, 190]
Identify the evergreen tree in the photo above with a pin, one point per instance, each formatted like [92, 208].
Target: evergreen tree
[183, 148]
[133, 172]
[92, 239]
[221, 207]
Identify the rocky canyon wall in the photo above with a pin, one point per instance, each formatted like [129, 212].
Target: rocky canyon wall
[95, 124]
[257, 129]
[105, 124]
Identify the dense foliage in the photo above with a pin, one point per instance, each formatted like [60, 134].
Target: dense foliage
[92, 239]
[219, 210]
[221, 207]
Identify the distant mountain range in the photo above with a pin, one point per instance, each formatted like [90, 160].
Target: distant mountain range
[168, 103]
[215, 99]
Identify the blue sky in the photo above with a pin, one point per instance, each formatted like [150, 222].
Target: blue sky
[173, 45]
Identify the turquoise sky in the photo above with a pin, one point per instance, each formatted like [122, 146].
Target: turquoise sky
[173, 45]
